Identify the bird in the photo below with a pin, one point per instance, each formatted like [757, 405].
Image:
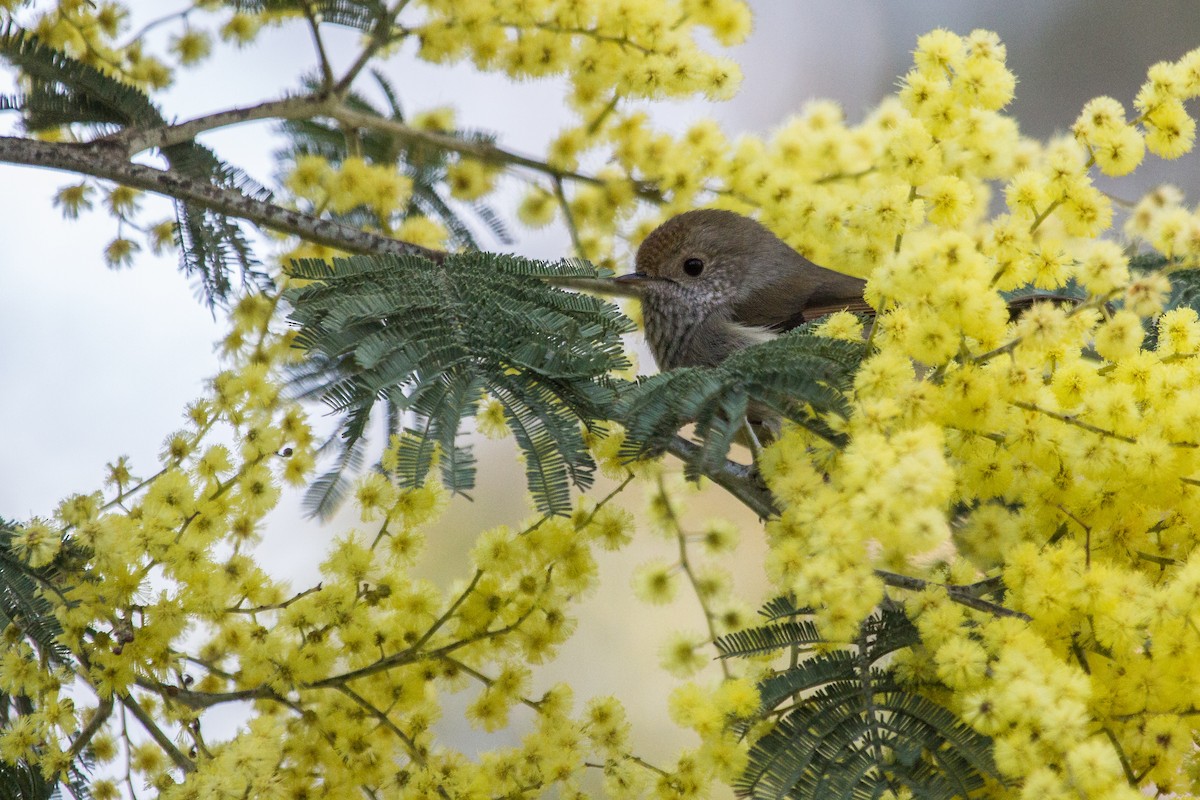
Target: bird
[712, 282]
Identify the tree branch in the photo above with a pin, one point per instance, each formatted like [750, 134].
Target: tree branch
[735, 478]
[963, 595]
[380, 37]
[101, 160]
[135, 140]
[160, 738]
[482, 151]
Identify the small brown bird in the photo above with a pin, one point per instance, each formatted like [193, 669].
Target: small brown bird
[712, 282]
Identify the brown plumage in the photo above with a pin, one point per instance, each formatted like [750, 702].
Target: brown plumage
[712, 282]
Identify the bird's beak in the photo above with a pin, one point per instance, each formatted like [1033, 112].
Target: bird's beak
[633, 283]
[632, 279]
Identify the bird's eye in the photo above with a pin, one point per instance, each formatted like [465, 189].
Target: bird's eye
[693, 267]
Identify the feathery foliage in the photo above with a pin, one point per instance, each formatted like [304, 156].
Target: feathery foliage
[211, 243]
[1185, 288]
[363, 15]
[24, 609]
[798, 376]
[21, 604]
[63, 90]
[846, 727]
[431, 339]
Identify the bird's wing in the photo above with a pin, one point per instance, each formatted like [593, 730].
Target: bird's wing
[802, 296]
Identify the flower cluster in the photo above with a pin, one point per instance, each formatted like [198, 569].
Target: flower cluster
[1051, 443]
[133, 570]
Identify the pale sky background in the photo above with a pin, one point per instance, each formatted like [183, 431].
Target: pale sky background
[97, 363]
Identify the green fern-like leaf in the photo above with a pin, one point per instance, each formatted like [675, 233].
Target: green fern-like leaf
[801, 634]
[21, 601]
[24, 607]
[212, 245]
[363, 15]
[1185, 289]
[845, 727]
[798, 376]
[431, 339]
[65, 90]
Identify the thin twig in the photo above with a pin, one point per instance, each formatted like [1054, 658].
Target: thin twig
[93, 726]
[314, 28]
[379, 39]
[1070, 420]
[160, 738]
[686, 565]
[568, 217]
[154, 23]
[481, 151]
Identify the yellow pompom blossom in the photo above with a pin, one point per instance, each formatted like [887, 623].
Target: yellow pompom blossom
[470, 180]
[191, 47]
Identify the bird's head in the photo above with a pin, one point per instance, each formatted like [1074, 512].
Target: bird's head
[703, 259]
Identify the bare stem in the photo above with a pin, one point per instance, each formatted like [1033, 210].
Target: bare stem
[1078, 423]
[314, 28]
[482, 151]
[156, 733]
[685, 564]
[379, 39]
[135, 140]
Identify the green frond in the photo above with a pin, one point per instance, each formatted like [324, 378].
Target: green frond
[20, 781]
[1185, 289]
[887, 631]
[388, 90]
[809, 674]
[23, 606]
[845, 727]
[362, 15]
[798, 376]
[64, 90]
[21, 601]
[433, 338]
[212, 245]
[1148, 262]
[325, 493]
[782, 607]
[767, 638]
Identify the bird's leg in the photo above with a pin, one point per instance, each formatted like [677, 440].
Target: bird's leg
[752, 441]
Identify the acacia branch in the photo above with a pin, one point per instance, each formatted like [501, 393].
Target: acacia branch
[737, 479]
[963, 595]
[135, 140]
[479, 150]
[103, 160]
[380, 37]
[160, 738]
